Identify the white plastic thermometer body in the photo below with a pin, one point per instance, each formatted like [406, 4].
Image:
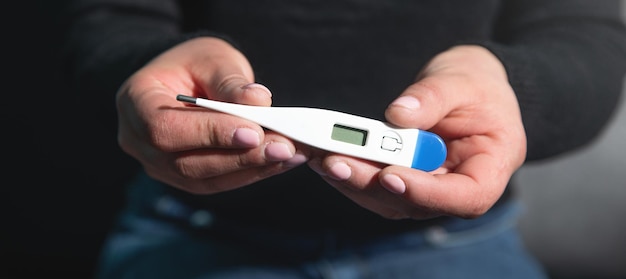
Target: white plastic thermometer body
[342, 133]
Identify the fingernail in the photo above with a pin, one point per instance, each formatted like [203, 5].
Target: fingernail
[278, 151]
[394, 184]
[407, 102]
[296, 160]
[246, 137]
[340, 171]
[255, 85]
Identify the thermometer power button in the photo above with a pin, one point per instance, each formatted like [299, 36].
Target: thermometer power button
[391, 143]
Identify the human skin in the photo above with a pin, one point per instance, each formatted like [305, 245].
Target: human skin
[462, 94]
[195, 149]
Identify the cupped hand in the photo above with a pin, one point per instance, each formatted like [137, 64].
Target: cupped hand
[464, 96]
[192, 148]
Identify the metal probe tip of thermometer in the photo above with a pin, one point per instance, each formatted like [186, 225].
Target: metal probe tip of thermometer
[342, 133]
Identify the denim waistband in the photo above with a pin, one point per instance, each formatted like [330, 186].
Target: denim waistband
[298, 245]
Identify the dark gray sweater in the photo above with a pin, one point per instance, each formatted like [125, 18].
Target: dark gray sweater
[565, 60]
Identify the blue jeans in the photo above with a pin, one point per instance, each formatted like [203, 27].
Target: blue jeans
[177, 242]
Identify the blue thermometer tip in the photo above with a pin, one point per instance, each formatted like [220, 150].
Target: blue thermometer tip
[430, 153]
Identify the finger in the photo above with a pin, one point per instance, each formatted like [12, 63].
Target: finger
[362, 186]
[228, 77]
[358, 172]
[232, 180]
[196, 127]
[469, 192]
[357, 180]
[425, 103]
[370, 200]
[236, 89]
[203, 163]
[366, 195]
[456, 93]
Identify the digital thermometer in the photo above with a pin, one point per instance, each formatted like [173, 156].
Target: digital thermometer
[342, 133]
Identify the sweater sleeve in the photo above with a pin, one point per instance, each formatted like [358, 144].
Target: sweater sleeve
[108, 40]
[566, 62]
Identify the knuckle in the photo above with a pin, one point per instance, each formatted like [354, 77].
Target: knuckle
[249, 158]
[215, 137]
[158, 135]
[228, 83]
[188, 170]
[477, 209]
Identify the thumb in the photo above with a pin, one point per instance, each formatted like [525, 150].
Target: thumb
[422, 105]
[237, 88]
[225, 74]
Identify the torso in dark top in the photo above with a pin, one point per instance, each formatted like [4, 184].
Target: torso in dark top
[351, 56]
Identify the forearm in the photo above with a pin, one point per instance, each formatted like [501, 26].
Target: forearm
[566, 68]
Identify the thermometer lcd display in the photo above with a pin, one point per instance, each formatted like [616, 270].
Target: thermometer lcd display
[349, 134]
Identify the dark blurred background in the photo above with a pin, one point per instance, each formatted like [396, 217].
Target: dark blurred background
[64, 175]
